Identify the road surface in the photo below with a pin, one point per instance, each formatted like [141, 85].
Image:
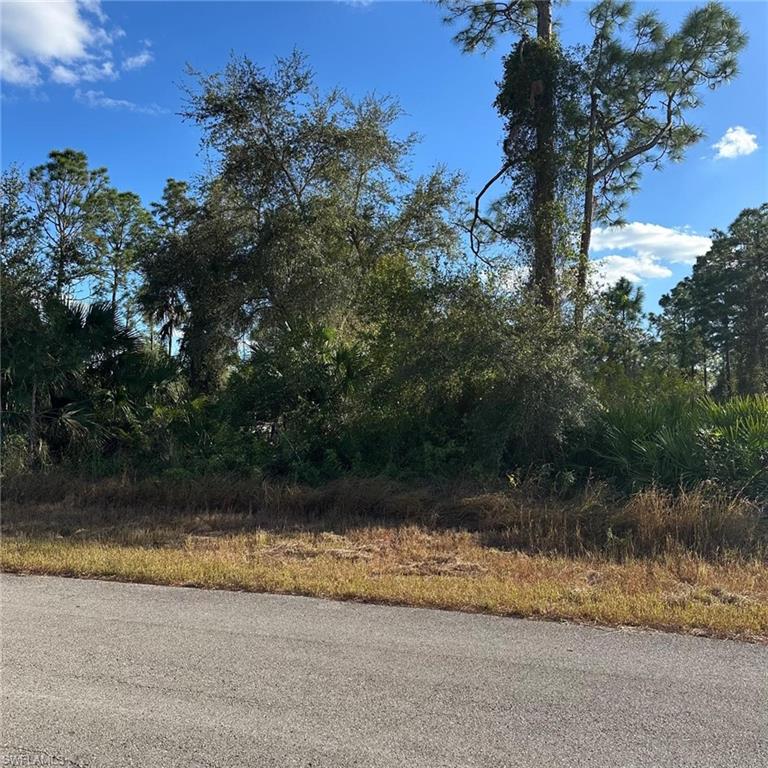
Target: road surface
[103, 674]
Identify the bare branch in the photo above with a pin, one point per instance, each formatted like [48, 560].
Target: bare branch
[474, 242]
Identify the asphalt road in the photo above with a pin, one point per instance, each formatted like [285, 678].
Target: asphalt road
[103, 674]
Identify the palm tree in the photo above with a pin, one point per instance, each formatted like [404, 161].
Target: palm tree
[55, 360]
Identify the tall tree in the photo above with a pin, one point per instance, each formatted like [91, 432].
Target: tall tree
[19, 233]
[679, 326]
[582, 123]
[723, 307]
[527, 100]
[545, 167]
[121, 225]
[621, 332]
[640, 85]
[748, 243]
[160, 295]
[65, 195]
[197, 267]
[322, 180]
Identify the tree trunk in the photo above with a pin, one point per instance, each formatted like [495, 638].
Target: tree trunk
[115, 279]
[59, 287]
[545, 161]
[751, 353]
[586, 224]
[32, 435]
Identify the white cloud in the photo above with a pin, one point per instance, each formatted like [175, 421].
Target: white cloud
[46, 30]
[649, 249]
[677, 246]
[735, 142]
[101, 71]
[94, 6]
[635, 268]
[65, 75]
[66, 41]
[139, 60]
[14, 70]
[99, 100]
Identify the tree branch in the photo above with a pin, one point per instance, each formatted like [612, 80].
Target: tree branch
[474, 242]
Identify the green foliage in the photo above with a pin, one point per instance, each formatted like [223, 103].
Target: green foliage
[735, 439]
[640, 82]
[676, 442]
[65, 196]
[714, 323]
[619, 341]
[197, 272]
[65, 372]
[581, 123]
[303, 312]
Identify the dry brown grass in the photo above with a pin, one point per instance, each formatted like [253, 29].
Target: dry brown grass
[591, 521]
[693, 563]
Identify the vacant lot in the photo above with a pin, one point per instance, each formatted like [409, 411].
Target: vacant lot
[456, 552]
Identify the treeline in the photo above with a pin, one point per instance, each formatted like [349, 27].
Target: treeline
[307, 311]
[714, 322]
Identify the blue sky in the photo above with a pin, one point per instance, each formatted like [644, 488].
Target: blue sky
[104, 78]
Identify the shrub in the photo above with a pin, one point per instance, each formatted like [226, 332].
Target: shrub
[678, 443]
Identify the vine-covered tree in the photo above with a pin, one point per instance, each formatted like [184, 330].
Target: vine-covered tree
[528, 102]
[581, 123]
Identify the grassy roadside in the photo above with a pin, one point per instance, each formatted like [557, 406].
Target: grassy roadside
[681, 594]
[405, 562]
